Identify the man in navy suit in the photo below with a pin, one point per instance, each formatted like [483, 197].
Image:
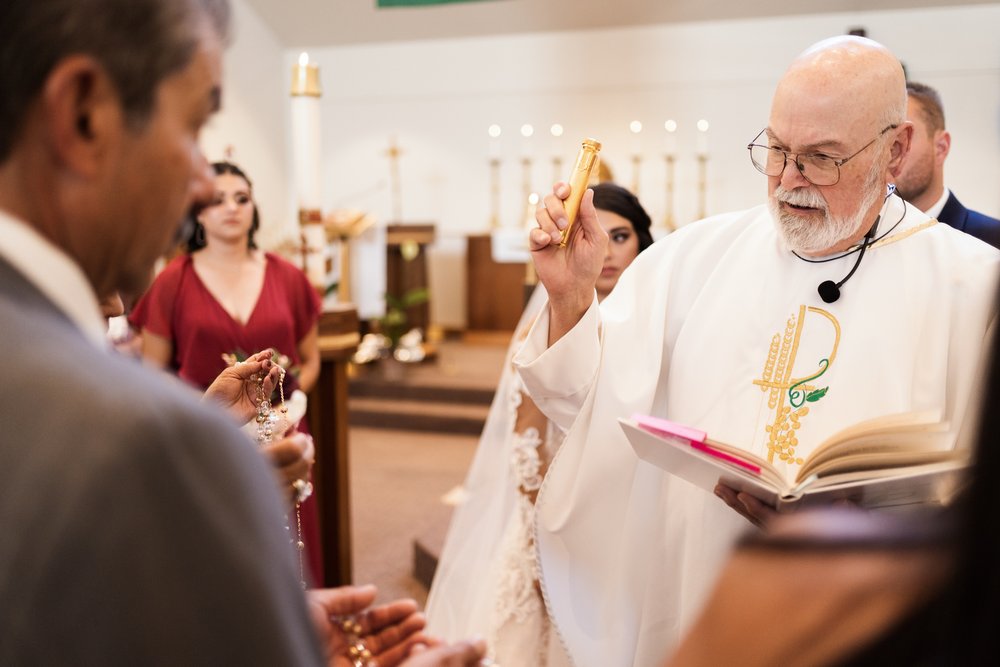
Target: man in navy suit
[921, 181]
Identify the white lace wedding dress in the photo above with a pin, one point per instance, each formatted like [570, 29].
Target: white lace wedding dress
[486, 582]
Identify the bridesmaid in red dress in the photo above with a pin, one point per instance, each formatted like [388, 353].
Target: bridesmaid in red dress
[225, 296]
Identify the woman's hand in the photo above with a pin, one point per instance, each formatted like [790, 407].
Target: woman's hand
[236, 388]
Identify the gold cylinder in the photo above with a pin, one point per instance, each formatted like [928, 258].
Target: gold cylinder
[586, 163]
[305, 80]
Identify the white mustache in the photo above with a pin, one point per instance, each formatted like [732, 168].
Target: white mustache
[800, 197]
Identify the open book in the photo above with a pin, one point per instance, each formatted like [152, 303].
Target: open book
[896, 460]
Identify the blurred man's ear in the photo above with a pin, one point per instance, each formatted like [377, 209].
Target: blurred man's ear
[81, 113]
[942, 145]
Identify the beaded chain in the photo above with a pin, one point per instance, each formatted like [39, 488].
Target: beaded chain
[357, 651]
[267, 419]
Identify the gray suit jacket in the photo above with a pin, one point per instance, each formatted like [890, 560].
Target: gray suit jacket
[136, 525]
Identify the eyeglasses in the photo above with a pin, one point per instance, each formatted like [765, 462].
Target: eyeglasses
[817, 168]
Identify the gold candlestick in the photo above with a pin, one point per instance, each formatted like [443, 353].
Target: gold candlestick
[394, 153]
[556, 168]
[636, 163]
[668, 218]
[525, 178]
[702, 185]
[494, 193]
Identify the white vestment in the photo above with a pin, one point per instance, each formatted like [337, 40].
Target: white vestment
[719, 327]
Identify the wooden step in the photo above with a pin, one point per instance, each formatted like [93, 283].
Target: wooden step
[376, 387]
[418, 415]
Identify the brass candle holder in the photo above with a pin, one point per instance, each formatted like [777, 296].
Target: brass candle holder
[636, 168]
[494, 193]
[557, 168]
[668, 216]
[525, 178]
[702, 185]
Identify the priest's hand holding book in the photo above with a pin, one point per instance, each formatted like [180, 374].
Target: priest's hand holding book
[752, 509]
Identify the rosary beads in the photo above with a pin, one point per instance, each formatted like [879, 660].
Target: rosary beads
[268, 421]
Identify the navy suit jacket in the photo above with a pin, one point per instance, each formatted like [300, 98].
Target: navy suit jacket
[981, 226]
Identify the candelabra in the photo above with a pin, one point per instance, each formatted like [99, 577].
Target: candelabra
[668, 217]
[702, 185]
[525, 178]
[557, 172]
[636, 164]
[494, 193]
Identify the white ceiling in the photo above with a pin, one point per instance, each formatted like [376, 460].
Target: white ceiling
[316, 23]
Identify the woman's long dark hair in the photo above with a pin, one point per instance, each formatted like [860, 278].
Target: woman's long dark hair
[196, 241]
[615, 198]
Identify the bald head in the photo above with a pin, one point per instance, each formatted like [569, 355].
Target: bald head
[853, 79]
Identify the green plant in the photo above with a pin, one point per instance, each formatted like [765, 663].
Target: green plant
[394, 322]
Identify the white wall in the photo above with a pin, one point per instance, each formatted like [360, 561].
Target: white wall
[254, 119]
[437, 98]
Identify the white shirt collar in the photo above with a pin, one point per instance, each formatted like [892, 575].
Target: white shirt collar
[54, 274]
[935, 210]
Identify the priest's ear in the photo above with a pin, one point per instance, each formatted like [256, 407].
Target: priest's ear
[81, 114]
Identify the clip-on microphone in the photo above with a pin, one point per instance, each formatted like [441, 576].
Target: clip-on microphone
[828, 290]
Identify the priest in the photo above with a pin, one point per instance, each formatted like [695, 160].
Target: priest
[771, 328]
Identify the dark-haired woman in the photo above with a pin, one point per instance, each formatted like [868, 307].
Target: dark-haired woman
[487, 581]
[226, 297]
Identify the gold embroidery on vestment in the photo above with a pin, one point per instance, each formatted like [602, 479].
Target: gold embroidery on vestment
[782, 438]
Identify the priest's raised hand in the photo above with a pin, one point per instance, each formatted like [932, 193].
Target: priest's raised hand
[569, 273]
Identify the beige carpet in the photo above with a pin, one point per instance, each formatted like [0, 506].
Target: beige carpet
[399, 477]
[397, 480]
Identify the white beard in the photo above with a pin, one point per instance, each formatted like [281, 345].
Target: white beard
[800, 235]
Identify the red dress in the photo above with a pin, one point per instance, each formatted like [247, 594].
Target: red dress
[180, 308]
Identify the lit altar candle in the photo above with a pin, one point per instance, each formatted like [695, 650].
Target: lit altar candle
[670, 145]
[526, 131]
[306, 139]
[635, 127]
[494, 131]
[702, 137]
[556, 132]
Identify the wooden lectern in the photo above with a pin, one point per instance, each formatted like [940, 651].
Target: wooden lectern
[495, 298]
[328, 420]
[404, 271]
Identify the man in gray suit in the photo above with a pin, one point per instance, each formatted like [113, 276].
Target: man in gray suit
[138, 525]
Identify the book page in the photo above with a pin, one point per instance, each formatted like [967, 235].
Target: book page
[905, 432]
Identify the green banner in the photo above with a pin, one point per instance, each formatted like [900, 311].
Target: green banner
[419, 3]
